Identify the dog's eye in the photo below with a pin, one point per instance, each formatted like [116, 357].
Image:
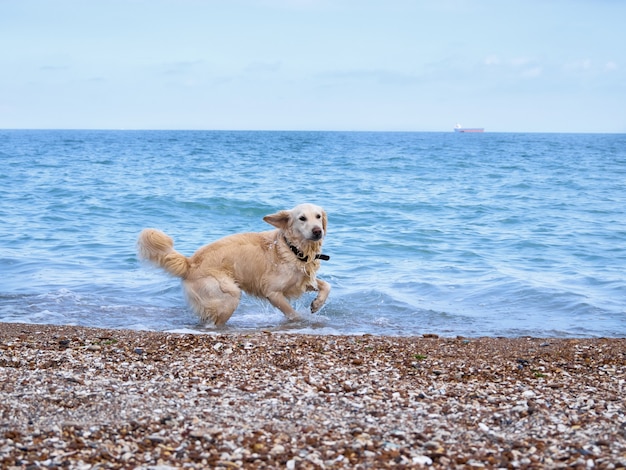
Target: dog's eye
[303, 218]
[318, 216]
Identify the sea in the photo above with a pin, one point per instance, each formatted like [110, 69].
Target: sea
[493, 234]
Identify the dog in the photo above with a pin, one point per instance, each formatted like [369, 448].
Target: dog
[277, 265]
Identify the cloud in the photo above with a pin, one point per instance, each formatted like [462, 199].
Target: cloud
[520, 61]
[491, 60]
[181, 67]
[54, 68]
[590, 67]
[524, 67]
[379, 76]
[532, 72]
[582, 64]
[263, 67]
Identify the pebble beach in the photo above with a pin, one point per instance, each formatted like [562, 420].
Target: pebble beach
[75, 397]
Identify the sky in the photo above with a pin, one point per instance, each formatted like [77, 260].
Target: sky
[347, 65]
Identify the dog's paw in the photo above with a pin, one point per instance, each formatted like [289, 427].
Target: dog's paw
[316, 305]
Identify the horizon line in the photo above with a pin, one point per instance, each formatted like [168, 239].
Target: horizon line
[451, 131]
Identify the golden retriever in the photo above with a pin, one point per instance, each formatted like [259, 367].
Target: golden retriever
[277, 265]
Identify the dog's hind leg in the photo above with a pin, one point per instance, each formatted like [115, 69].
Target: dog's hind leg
[213, 299]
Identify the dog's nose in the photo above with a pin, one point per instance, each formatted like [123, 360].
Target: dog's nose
[317, 232]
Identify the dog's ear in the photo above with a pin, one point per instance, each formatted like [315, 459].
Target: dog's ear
[279, 220]
[324, 222]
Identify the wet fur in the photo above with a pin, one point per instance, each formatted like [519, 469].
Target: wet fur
[259, 263]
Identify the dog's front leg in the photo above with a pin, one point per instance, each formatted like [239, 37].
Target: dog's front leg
[323, 289]
[278, 300]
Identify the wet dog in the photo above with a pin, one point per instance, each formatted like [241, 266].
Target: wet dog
[277, 265]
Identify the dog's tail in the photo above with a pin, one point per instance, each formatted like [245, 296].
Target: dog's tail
[158, 248]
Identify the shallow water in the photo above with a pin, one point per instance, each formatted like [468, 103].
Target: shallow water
[454, 234]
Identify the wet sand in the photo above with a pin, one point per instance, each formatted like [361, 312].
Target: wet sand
[76, 397]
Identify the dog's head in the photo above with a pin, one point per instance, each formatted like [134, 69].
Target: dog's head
[305, 222]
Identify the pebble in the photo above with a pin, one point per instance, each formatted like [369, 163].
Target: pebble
[304, 401]
[422, 460]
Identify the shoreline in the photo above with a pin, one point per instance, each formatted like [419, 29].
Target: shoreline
[81, 397]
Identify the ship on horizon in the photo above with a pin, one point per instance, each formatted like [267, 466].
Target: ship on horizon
[460, 128]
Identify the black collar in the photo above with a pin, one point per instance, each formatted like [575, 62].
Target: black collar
[301, 255]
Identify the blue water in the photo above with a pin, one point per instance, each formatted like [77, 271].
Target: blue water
[454, 234]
